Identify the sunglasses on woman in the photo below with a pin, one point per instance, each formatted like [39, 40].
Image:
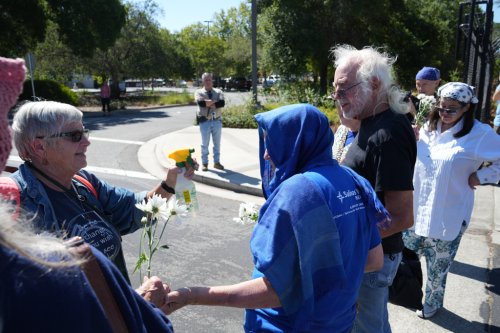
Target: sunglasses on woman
[74, 136]
[451, 112]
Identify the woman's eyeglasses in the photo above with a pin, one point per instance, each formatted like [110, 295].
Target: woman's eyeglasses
[451, 112]
[74, 136]
[342, 93]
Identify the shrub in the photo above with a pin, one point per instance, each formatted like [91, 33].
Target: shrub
[240, 116]
[293, 92]
[49, 90]
[169, 98]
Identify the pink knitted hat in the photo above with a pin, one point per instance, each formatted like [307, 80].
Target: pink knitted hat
[11, 84]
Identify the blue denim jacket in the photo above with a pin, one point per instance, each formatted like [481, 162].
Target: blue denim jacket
[117, 204]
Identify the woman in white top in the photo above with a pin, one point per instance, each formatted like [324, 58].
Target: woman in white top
[451, 148]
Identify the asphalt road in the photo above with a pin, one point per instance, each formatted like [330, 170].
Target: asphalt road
[207, 249]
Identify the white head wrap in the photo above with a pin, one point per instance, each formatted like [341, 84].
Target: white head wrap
[458, 91]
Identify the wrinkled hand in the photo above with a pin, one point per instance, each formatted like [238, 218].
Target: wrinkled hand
[473, 181]
[191, 168]
[154, 290]
[176, 300]
[172, 173]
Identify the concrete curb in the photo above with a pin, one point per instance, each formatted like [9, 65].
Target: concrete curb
[226, 185]
[153, 158]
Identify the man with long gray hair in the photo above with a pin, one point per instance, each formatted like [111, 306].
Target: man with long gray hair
[383, 152]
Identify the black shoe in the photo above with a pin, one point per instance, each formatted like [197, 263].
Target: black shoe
[205, 167]
[218, 166]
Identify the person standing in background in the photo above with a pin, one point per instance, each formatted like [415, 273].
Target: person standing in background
[210, 103]
[105, 96]
[427, 81]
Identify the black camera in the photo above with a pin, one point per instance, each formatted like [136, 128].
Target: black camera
[410, 98]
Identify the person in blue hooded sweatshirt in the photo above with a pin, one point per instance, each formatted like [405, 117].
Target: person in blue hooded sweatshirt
[316, 233]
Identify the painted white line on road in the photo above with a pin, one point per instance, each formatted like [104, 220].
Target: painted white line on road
[110, 171]
[120, 172]
[129, 142]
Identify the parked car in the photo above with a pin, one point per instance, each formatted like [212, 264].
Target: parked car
[219, 82]
[238, 83]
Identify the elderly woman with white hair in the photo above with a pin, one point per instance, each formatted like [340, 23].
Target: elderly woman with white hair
[59, 196]
[40, 276]
[452, 146]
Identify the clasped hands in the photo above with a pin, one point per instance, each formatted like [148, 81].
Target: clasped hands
[158, 293]
[210, 104]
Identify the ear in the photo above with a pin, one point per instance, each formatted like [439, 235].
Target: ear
[38, 148]
[375, 83]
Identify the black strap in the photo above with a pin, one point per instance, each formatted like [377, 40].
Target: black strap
[50, 179]
[119, 259]
[98, 281]
[77, 196]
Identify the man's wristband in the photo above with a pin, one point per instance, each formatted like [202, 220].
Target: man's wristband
[167, 188]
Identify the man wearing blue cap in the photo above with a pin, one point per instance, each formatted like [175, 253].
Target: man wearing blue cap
[427, 80]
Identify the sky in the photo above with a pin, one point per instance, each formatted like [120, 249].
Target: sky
[178, 14]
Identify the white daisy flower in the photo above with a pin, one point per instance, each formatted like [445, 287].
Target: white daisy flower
[248, 213]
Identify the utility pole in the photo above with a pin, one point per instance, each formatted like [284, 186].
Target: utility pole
[254, 51]
[208, 26]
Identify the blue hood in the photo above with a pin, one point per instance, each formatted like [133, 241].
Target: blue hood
[297, 137]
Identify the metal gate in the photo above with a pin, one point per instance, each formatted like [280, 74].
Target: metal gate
[474, 48]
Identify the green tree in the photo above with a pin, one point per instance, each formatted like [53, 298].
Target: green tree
[138, 52]
[142, 51]
[178, 59]
[205, 51]
[83, 25]
[234, 28]
[21, 28]
[299, 34]
[54, 60]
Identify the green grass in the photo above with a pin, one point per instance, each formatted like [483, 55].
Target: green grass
[170, 98]
[242, 117]
[145, 99]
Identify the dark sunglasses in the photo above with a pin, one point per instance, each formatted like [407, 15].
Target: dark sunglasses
[74, 136]
[342, 92]
[451, 112]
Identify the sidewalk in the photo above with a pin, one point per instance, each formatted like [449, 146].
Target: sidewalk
[472, 301]
[239, 155]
